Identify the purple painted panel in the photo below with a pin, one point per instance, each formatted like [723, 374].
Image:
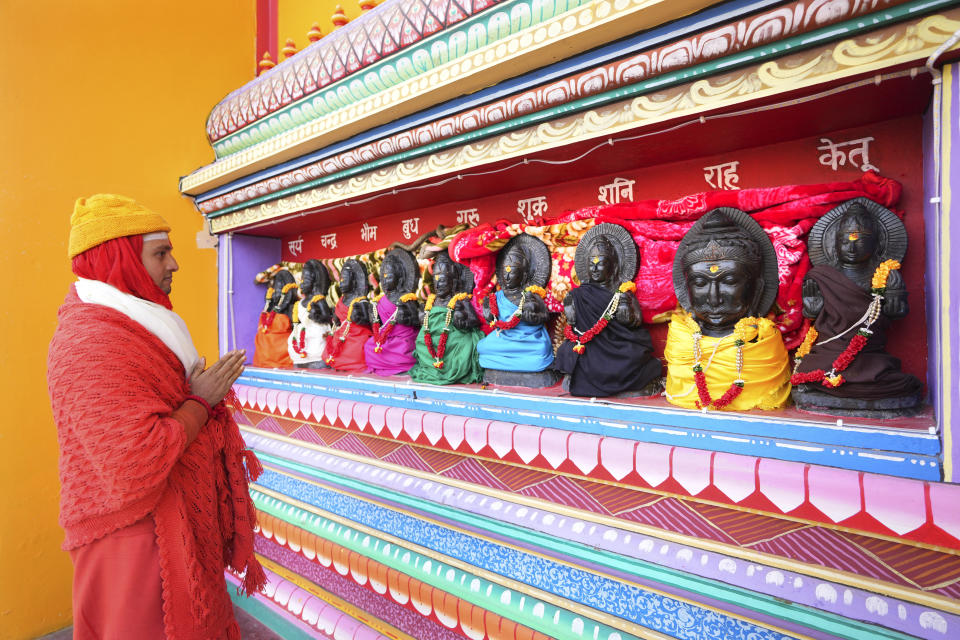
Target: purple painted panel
[950, 320]
[240, 259]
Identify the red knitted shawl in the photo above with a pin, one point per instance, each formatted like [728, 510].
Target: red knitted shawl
[113, 386]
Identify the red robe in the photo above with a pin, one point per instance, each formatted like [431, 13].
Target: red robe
[347, 354]
[114, 387]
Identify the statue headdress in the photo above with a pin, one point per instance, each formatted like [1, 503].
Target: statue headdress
[728, 234]
[891, 233]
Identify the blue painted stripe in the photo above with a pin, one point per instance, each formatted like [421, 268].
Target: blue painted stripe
[903, 454]
[626, 601]
[645, 40]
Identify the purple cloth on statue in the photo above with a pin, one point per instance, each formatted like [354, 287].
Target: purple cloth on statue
[396, 355]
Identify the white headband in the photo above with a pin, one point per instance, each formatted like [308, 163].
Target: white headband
[157, 235]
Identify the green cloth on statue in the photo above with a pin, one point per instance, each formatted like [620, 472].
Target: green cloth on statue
[461, 363]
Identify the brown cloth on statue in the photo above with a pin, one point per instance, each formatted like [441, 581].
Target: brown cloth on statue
[874, 373]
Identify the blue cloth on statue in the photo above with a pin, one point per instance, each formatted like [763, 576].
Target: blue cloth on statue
[526, 347]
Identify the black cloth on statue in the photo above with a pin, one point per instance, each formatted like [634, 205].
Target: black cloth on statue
[874, 373]
[616, 360]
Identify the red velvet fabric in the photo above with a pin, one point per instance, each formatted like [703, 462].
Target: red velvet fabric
[786, 213]
[118, 263]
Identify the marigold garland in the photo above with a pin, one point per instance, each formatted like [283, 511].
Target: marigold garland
[316, 298]
[287, 287]
[832, 378]
[343, 330]
[582, 339]
[700, 377]
[437, 354]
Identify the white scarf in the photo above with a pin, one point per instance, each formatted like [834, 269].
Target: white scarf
[155, 318]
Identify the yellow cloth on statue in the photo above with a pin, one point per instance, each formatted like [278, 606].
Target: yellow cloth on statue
[766, 367]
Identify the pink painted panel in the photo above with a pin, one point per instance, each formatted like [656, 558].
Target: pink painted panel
[306, 405]
[283, 593]
[378, 417]
[945, 507]
[453, 430]
[395, 421]
[896, 502]
[553, 446]
[734, 475]
[500, 437]
[836, 492]
[361, 413]
[476, 433]
[272, 399]
[261, 398]
[283, 402]
[413, 423]
[243, 393]
[330, 410]
[526, 441]
[691, 468]
[653, 462]
[345, 412]
[617, 456]
[584, 451]
[316, 408]
[782, 483]
[433, 426]
[297, 600]
[293, 403]
[311, 611]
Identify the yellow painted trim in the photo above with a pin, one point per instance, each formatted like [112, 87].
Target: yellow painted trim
[814, 571]
[567, 34]
[947, 385]
[902, 44]
[351, 610]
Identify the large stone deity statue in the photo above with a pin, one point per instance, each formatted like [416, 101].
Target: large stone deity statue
[344, 350]
[853, 291]
[313, 318]
[518, 352]
[273, 330]
[447, 344]
[722, 352]
[607, 350]
[396, 317]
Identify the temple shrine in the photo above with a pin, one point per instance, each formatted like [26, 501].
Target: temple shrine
[726, 165]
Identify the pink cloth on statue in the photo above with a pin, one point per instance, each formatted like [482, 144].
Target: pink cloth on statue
[116, 586]
[396, 355]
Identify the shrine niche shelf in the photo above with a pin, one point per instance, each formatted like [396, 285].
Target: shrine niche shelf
[905, 447]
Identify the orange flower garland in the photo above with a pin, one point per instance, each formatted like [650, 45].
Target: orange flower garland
[833, 378]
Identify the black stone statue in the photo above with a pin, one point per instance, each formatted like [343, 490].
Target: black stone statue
[518, 351]
[607, 351]
[847, 245]
[314, 316]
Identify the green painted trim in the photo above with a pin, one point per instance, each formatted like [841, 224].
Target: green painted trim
[765, 604]
[480, 30]
[723, 65]
[277, 623]
[553, 621]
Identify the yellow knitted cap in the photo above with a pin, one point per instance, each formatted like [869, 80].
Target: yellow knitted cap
[106, 216]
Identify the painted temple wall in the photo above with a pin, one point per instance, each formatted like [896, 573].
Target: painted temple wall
[97, 96]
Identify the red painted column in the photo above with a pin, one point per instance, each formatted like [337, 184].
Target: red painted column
[266, 31]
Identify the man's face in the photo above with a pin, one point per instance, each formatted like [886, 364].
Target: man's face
[514, 270]
[390, 276]
[599, 265]
[157, 257]
[443, 279]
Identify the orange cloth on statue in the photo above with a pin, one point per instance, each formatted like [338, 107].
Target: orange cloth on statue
[270, 345]
[117, 593]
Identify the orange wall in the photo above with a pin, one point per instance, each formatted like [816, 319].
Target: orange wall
[96, 96]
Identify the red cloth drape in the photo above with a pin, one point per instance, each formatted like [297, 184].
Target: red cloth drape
[118, 263]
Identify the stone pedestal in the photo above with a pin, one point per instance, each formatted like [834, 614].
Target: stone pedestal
[808, 399]
[531, 380]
